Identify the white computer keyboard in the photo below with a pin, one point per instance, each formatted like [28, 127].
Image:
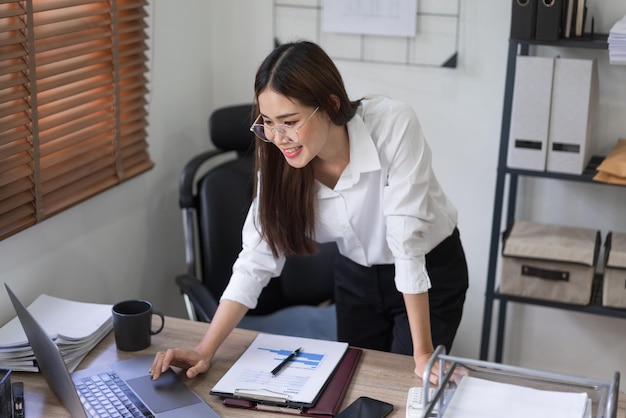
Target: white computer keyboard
[414, 401]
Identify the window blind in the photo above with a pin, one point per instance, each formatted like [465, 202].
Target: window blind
[73, 104]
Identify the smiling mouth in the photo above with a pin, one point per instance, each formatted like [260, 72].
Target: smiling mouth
[291, 150]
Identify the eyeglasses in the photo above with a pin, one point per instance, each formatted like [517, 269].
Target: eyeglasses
[267, 133]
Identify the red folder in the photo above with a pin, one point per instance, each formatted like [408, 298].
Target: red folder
[329, 402]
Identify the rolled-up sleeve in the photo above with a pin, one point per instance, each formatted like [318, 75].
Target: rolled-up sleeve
[411, 276]
[254, 267]
[410, 207]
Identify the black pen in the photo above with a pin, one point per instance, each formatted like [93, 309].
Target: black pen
[285, 361]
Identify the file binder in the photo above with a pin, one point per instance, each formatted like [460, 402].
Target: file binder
[574, 96]
[530, 113]
[570, 11]
[523, 15]
[580, 15]
[549, 18]
[300, 384]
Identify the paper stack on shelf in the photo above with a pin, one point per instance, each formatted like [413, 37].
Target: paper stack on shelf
[75, 327]
[617, 42]
[613, 168]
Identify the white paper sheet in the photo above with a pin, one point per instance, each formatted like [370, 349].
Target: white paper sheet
[370, 17]
[479, 398]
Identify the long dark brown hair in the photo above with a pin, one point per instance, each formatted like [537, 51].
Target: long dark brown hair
[303, 72]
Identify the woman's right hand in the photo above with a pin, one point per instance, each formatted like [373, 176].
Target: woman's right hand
[192, 361]
[198, 360]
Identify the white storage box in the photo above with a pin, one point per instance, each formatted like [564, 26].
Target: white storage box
[614, 284]
[530, 113]
[574, 98]
[549, 262]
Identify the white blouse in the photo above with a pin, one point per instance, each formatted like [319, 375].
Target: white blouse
[386, 208]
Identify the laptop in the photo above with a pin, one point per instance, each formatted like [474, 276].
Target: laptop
[139, 395]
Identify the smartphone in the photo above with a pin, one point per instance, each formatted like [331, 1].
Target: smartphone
[365, 407]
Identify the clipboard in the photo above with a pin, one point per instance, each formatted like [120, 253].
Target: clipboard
[299, 386]
[329, 401]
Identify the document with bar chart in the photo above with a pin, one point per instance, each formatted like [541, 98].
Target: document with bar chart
[299, 381]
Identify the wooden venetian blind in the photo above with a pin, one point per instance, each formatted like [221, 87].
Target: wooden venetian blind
[72, 103]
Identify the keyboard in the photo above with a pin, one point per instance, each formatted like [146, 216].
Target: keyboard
[106, 395]
[414, 401]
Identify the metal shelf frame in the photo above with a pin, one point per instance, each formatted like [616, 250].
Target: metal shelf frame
[603, 393]
[504, 174]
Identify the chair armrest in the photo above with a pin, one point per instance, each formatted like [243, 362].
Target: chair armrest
[203, 302]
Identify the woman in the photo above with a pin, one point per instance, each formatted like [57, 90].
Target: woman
[357, 173]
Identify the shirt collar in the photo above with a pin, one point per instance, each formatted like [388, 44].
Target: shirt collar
[363, 153]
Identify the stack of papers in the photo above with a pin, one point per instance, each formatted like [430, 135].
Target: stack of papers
[476, 397]
[617, 42]
[75, 327]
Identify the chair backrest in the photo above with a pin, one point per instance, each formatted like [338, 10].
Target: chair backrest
[224, 194]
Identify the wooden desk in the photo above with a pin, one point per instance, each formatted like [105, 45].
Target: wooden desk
[379, 375]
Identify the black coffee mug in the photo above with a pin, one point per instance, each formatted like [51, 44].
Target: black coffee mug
[132, 324]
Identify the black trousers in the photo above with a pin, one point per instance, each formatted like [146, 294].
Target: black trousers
[371, 311]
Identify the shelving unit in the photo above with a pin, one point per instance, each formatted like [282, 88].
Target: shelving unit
[508, 176]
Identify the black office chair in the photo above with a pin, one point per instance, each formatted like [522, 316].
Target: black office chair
[215, 201]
